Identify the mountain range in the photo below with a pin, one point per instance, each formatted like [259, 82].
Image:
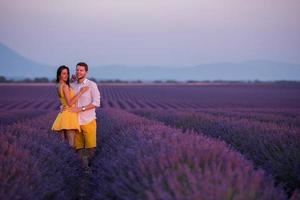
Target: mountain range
[16, 66]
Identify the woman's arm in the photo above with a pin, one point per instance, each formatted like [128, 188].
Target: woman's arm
[71, 101]
[95, 99]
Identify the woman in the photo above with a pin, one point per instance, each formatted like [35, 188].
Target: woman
[66, 123]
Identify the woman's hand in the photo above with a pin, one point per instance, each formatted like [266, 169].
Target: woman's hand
[84, 89]
[64, 108]
[76, 110]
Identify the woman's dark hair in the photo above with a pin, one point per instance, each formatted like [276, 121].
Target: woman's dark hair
[59, 70]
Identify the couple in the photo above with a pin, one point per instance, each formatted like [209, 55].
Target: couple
[76, 122]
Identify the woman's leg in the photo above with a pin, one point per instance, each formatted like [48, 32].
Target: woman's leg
[71, 137]
[62, 135]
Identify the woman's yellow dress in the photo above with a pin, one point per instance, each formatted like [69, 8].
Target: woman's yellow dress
[66, 120]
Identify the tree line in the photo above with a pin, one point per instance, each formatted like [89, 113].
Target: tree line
[3, 79]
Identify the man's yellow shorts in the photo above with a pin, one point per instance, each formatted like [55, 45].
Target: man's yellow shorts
[87, 137]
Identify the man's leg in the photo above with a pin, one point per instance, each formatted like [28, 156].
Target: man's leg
[89, 132]
[83, 157]
[91, 153]
[79, 146]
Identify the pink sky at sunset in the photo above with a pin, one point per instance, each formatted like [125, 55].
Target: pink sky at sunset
[156, 32]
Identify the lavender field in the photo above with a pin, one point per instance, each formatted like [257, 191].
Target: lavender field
[235, 141]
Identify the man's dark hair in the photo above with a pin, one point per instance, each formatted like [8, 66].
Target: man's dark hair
[83, 64]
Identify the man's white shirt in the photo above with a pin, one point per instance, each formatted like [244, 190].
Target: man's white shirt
[90, 96]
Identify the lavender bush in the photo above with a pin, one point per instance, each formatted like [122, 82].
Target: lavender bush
[275, 148]
[14, 116]
[35, 163]
[282, 117]
[142, 159]
[145, 159]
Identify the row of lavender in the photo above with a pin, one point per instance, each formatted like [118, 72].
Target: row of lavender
[139, 159]
[204, 96]
[120, 145]
[35, 164]
[13, 116]
[168, 97]
[143, 159]
[273, 146]
[279, 116]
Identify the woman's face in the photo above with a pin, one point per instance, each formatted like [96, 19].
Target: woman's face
[64, 75]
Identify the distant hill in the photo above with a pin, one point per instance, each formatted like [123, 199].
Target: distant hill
[14, 65]
[249, 70]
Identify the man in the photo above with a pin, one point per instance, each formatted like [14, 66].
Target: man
[86, 108]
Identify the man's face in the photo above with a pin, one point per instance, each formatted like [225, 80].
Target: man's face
[80, 72]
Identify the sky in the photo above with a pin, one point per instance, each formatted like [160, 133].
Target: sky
[173, 33]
